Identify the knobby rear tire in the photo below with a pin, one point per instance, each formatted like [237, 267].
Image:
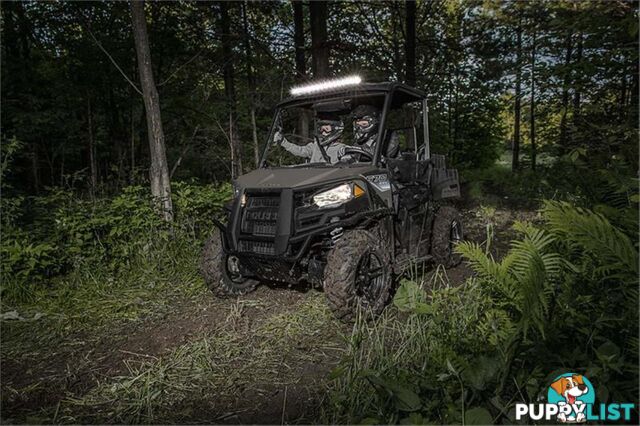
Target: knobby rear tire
[442, 246]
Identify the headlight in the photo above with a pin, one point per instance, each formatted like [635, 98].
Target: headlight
[338, 195]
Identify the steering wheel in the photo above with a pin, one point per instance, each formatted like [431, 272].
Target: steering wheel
[357, 150]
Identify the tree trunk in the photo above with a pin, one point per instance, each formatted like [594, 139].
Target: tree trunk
[133, 146]
[298, 39]
[93, 182]
[229, 89]
[633, 95]
[565, 93]
[319, 45]
[35, 169]
[410, 42]
[515, 149]
[159, 170]
[301, 69]
[576, 93]
[395, 41]
[251, 83]
[532, 111]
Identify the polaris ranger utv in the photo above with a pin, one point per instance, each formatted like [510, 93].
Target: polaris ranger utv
[350, 222]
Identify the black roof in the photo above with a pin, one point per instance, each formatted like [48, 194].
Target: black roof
[363, 89]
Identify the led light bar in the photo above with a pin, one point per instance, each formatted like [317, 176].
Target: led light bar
[326, 85]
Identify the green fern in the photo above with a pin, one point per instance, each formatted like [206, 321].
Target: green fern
[523, 277]
[591, 232]
[497, 328]
[616, 189]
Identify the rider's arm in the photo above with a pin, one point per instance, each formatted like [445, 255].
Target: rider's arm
[297, 150]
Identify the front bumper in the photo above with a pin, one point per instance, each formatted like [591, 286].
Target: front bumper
[274, 231]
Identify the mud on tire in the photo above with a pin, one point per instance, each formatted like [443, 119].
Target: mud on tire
[343, 283]
[445, 236]
[217, 277]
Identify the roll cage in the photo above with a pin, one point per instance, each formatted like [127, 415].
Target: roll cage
[395, 94]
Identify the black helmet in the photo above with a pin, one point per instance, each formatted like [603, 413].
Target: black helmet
[328, 129]
[365, 122]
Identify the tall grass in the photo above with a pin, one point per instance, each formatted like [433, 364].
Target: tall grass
[199, 378]
[467, 354]
[394, 363]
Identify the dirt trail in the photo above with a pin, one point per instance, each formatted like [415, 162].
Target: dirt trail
[82, 363]
[33, 387]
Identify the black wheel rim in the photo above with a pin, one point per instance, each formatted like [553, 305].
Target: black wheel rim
[369, 278]
[235, 277]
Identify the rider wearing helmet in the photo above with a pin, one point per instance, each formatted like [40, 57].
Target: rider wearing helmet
[326, 147]
[366, 119]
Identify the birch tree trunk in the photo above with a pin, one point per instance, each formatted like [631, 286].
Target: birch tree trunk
[159, 170]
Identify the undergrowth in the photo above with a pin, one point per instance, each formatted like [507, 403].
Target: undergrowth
[564, 298]
[575, 177]
[71, 265]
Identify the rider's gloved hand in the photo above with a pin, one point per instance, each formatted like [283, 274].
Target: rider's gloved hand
[278, 137]
[345, 158]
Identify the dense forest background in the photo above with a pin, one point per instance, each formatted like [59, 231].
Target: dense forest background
[108, 108]
[541, 77]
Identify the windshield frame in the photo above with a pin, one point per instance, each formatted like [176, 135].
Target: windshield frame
[388, 95]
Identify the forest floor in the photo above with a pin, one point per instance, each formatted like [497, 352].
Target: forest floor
[262, 358]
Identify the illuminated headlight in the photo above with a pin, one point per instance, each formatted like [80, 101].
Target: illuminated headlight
[334, 196]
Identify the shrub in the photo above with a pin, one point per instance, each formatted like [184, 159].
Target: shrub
[59, 232]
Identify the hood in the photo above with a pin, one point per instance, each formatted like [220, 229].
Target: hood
[297, 177]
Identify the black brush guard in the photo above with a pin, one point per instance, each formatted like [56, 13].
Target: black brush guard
[270, 236]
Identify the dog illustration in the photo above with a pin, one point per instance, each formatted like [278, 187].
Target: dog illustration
[570, 388]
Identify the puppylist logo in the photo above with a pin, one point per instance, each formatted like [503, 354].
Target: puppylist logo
[571, 399]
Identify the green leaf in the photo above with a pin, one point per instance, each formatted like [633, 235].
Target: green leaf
[608, 350]
[411, 298]
[337, 372]
[478, 416]
[413, 419]
[406, 399]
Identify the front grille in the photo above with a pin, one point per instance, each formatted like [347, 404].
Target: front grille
[258, 224]
[259, 247]
[260, 215]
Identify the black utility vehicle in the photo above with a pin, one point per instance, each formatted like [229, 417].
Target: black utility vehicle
[351, 222]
